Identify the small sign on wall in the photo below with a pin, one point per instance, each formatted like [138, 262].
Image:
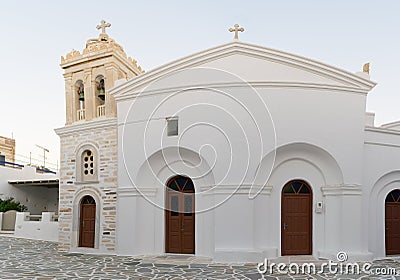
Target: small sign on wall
[319, 207]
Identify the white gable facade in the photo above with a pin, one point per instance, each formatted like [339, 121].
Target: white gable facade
[282, 156]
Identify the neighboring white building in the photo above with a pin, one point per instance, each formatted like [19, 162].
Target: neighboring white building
[36, 190]
[34, 187]
[237, 153]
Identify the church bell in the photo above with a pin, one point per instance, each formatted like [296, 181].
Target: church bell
[101, 94]
[81, 96]
[101, 90]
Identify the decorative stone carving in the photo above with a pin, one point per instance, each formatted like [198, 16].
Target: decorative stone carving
[95, 46]
[366, 68]
[71, 55]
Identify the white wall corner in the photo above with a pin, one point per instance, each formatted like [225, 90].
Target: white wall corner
[370, 119]
[120, 82]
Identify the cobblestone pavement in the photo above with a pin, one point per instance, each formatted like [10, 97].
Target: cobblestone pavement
[29, 259]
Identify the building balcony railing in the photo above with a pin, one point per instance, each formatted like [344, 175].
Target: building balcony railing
[80, 115]
[101, 111]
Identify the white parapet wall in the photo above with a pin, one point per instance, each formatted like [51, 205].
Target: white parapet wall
[39, 227]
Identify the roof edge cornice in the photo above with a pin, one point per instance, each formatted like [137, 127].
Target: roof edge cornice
[245, 48]
[85, 125]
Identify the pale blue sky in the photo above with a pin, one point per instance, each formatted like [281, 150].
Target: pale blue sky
[35, 34]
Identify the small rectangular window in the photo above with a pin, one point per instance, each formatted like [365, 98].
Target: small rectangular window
[172, 126]
[2, 160]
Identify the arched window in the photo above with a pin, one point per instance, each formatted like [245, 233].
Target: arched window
[80, 104]
[393, 196]
[87, 199]
[100, 88]
[100, 95]
[80, 91]
[86, 164]
[296, 187]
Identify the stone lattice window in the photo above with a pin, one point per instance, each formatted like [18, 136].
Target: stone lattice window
[88, 166]
[88, 163]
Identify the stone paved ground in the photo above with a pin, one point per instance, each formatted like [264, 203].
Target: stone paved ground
[28, 259]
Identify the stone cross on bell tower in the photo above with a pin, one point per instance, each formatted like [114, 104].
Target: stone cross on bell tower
[103, 25]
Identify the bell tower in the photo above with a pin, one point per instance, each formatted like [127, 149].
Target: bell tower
[90, 74]
[88, 144]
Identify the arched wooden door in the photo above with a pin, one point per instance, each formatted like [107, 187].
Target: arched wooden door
[392, 223]
[180, 216]
[87, 222]
[296, 221]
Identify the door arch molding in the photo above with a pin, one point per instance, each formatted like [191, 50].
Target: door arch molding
[95, 193]
[87, 222]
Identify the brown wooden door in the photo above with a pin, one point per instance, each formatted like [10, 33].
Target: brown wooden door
[87, 222]
[392, 223]
[296, 220]
[179, 216]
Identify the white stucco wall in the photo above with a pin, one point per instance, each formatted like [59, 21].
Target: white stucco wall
[45, 229]
[382, 175]
[239, 115]
[331, 134]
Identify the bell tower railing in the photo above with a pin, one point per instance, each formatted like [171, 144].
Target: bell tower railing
[101, 111]
[80, 115]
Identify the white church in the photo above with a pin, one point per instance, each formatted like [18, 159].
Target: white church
[236, 153]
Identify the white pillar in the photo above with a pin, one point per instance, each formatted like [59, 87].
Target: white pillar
[47, 216]
[343, 223]
[263, 234]
[20, 218]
